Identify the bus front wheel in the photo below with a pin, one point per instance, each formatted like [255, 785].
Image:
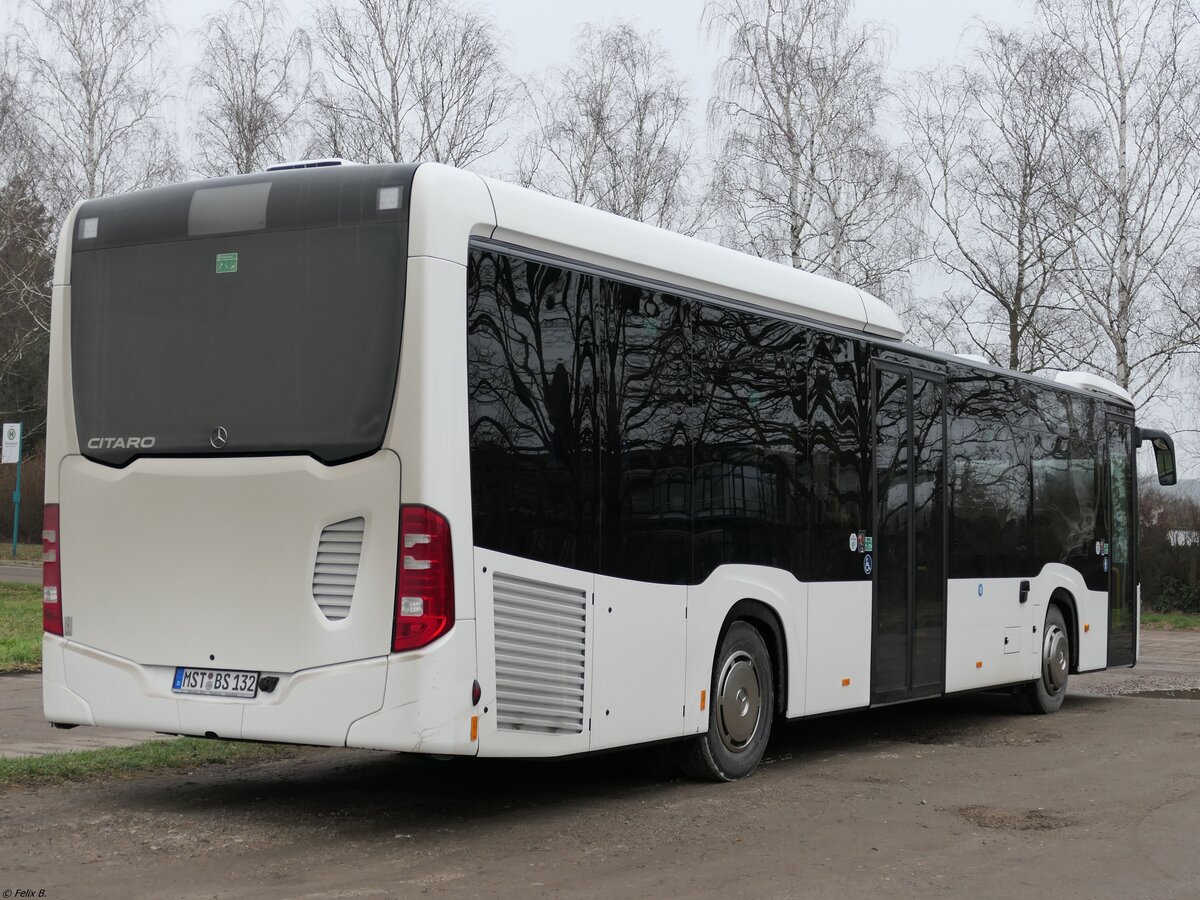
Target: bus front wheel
[741, 712]
[1047, 693]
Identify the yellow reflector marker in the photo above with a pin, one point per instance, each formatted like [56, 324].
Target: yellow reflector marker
[845, 682]
[979, 664]
[703, 697]
[474, 728]
[1086, 627]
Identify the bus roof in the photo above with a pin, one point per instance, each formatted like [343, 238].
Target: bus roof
[571, 229]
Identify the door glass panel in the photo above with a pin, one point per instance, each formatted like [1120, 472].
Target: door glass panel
[1121, 626]
[929, 616]
[891, 550]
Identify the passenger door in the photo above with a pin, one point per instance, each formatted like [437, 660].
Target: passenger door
[907, 550]
[1119, 548]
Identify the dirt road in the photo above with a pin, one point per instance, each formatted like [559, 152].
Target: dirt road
[956, 798]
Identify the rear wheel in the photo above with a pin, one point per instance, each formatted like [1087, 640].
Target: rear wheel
[741, 712]
[1047, 693]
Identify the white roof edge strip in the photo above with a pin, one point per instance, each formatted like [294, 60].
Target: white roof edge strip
[568, 229]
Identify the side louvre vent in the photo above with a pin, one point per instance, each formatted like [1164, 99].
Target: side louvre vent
[539, 655]
[337, 567]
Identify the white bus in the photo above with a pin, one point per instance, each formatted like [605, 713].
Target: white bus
[400, 457]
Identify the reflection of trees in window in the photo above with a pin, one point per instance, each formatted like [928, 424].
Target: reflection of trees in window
[579, 392]
[928, 456]
[989, 487]
[645, 441]
[531, 381]
[1064, 499]
[1023, 483]
[839, 392]
[751, 429]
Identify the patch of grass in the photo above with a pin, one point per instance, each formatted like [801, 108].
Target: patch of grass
[20, 627]
[1171, 621]
[146, 758]
[26, 553]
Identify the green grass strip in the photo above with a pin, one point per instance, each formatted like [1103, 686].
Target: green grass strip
[140, 759]
[26, 553]
[1171, 621]
[20, 627]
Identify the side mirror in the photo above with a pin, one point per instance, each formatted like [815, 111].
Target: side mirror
[1164, 452]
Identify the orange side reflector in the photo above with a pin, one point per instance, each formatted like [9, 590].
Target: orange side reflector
[845, 682]
[1086, 627]
[474, 728]
[703, 698]
[979, 665]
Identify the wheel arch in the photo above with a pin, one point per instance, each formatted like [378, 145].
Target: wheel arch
[1065, 601]
[767, 621]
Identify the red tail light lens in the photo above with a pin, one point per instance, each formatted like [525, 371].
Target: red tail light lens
[52, 619]
[425, 581]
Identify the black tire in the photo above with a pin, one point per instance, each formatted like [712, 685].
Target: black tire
[741, 712]
[1046, 695]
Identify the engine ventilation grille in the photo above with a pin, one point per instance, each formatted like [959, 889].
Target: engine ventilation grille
[337, 567]
[539, 655]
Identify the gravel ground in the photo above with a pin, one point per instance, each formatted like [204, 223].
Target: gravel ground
[1170, 665]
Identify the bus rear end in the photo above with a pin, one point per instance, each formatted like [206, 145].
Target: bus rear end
[234, 544]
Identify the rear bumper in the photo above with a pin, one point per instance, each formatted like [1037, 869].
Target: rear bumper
[400, 702]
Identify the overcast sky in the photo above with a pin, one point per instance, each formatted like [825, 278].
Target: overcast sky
[540, 34]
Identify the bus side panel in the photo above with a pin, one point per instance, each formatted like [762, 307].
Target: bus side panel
[980, 615]
[709, 605]
[839, 646]
[990, 637]
[640, 633]
[536, 653]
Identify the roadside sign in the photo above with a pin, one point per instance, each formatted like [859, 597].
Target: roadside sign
[12, 442]
[12, 454]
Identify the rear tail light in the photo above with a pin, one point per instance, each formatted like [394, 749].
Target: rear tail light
[425, 581]
[52, 619]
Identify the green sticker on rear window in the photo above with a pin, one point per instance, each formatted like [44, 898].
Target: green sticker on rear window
[226, 262]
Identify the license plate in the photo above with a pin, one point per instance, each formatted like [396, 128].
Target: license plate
[215, 682]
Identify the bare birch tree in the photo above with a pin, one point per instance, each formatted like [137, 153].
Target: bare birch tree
[611, 130]
[26, 264]
[407, 80]
[26, 268]
[1130, 181]
[987, 134]
[249, 88]
[802, 174]
[96, 77]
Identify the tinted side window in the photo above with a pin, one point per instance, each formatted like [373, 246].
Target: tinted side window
[990, 493]
[645, 435]
[1063, 525]
[839, 392]
[750, 411]
[531, 380]
[1048, 410]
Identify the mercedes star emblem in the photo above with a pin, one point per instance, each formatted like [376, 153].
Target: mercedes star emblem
[219, 437]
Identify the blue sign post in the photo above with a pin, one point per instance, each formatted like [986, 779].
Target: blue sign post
[12, 454]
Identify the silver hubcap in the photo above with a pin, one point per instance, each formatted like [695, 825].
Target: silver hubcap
[739, 701]
[1055, 659]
